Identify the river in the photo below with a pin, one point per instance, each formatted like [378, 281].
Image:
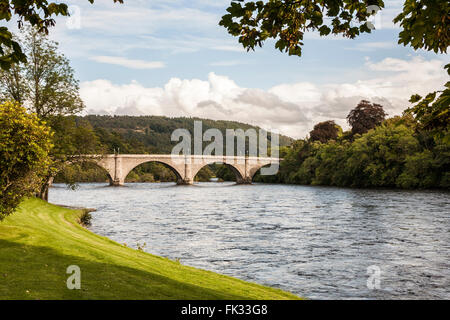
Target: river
[317, 242]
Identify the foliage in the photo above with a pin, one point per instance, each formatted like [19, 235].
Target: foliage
[377, 158]
[46, 83]
[365, 116]
[433, 111]
[38, 13]
[134, 177]
[86, 217]
[397, 153]
[325, 131]
[224, 173]
[73, 136]
[151, 172]
[151, 134]
[83, 171]
[72, 139]
[25, 144]
[287, 21]
[425, 24]
[205, 174]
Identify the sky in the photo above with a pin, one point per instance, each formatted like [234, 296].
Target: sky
[170, 57]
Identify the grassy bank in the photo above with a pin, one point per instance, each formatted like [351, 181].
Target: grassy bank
[40, 241]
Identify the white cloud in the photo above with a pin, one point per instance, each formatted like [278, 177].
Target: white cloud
[297, 92]
[293, 109]
[129, 63]
[217, 98]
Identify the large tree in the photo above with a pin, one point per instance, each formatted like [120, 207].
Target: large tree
[38, 13]
[325, 131]
[45, 84]
[25, 144]
[365, 116]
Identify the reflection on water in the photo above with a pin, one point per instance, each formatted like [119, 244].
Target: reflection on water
[316, 242]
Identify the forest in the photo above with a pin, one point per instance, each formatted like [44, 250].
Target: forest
[398, 152]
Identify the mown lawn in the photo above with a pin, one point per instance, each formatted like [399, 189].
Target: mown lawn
[39, 242]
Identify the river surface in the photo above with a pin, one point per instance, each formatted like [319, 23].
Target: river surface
[317, 242]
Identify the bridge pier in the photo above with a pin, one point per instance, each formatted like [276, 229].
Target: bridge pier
[246, 180]
[185, 182]
[116, 183]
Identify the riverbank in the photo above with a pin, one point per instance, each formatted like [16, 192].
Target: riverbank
[41, 240]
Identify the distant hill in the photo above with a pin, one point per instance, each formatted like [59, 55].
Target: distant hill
[151, 134]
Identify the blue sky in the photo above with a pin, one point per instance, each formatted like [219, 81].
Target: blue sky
[170, 57]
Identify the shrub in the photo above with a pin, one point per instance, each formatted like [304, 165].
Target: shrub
[25, 144]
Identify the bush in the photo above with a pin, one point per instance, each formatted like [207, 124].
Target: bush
[25, 144]
[86, 218]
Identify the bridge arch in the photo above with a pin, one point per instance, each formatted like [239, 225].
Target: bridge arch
[172, 168]
[256, 176]
[255, 168]
[235, 169]
[131, 163]
[83, 161]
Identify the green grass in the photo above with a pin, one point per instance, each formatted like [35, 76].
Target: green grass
[39, 242]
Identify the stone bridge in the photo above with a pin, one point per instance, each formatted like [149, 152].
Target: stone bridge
[184, 167]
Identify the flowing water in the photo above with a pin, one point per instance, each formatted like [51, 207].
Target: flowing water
[317, 242]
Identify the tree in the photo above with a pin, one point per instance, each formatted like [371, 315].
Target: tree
[425, 25]
[72, 139]
[325, 131]
[365, 116]
[45, 84]
[433, 111]
[377, 158]
[424, 22]
[288, 20]
[25, 144]
[38, 13]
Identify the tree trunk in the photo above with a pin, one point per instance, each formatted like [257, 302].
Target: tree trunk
[43, 193]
